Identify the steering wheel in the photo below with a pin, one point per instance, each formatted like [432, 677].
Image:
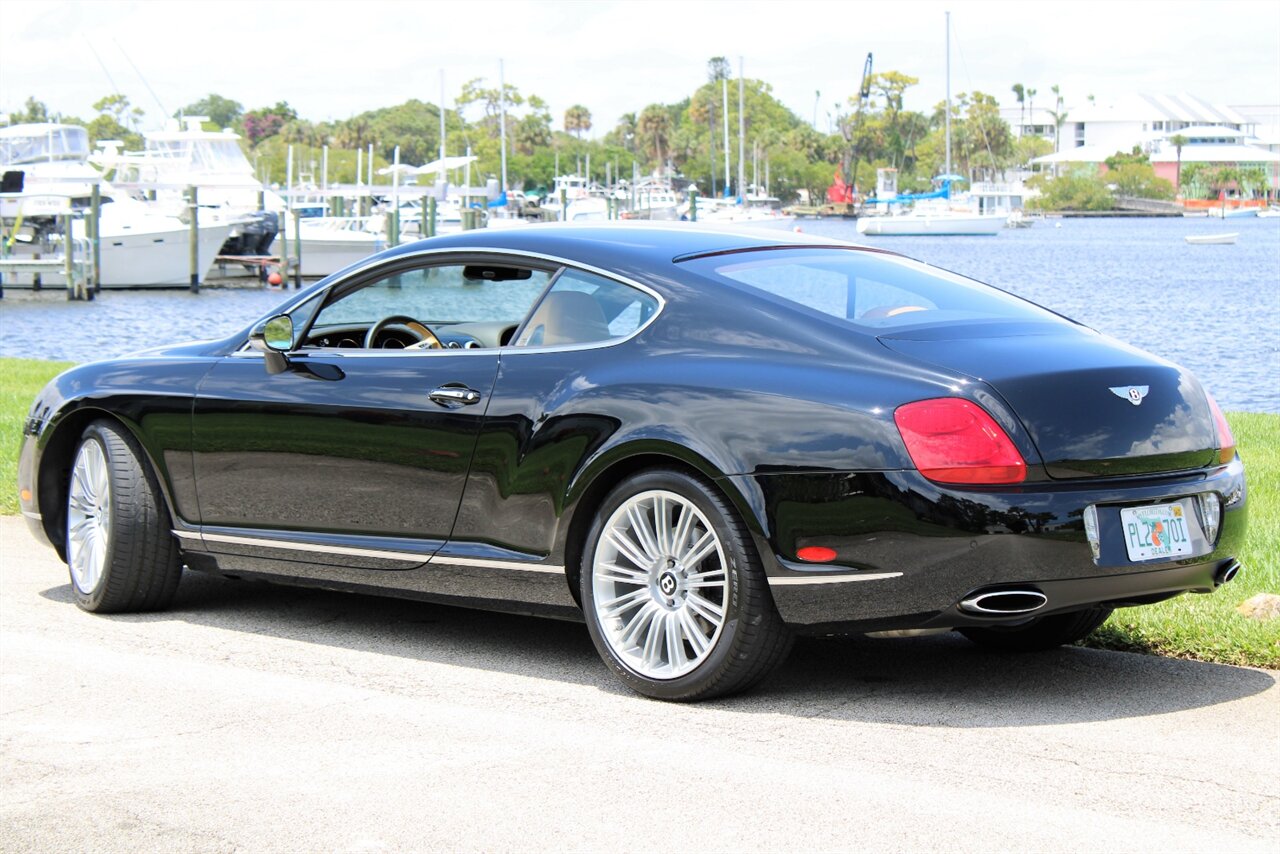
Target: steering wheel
[426, 338]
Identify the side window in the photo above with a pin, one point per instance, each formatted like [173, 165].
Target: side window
[459, 306]
[582, 308]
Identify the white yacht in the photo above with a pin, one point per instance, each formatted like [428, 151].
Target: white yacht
[185, 155]
[139, 246]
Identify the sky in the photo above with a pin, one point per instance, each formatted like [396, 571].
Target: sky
[332, 60]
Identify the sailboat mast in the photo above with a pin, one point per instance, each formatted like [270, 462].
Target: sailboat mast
[724, 88]
[742, 137]
[502, 117]
[442, 122]
[948, 170]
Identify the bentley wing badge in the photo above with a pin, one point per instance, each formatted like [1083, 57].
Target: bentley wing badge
[1132, 393]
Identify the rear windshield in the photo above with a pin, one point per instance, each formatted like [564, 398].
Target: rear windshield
[868, 289]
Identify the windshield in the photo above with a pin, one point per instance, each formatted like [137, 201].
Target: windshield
[868, 289]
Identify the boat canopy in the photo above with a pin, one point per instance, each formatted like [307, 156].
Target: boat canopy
[42, 143]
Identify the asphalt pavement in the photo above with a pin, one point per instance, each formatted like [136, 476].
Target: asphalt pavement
[254, 717]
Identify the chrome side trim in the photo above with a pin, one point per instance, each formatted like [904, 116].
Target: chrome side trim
[833, 579]
[486, 563]
[31, 514]
[322, 548]
[379, 554]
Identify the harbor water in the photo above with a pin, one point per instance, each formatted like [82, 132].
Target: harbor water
[1214, 309]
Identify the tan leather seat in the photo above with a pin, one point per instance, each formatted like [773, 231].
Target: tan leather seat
[565, 317]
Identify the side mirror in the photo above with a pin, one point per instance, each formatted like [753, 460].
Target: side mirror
[273, 340]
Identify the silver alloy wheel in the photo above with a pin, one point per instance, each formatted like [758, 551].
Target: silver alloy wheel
[660, 584]
[88, 516]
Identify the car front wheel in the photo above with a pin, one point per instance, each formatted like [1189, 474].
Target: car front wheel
[120, 549]
[675, 598]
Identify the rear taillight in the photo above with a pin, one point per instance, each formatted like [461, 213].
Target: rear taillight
[954, 441]
[1226, 441]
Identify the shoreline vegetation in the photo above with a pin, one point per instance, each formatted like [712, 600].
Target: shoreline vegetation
[844, 141]
[1203, 628]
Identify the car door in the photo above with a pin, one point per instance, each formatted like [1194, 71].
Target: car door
[359, 448]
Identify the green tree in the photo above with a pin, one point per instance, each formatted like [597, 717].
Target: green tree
[221, 111]
[576, 120]
[889, 87]
[533, 131]
[718, 69]
[266, 121]
[654, 130]
[1080, 189]
[1193, 180]
[1252, 180]
[1178, 141]
[1138, 180]
[1020, 92]
[1028, 148]
[491, 98]
[624, 133]
[1059, 119]
[116, 119]
[33, 112]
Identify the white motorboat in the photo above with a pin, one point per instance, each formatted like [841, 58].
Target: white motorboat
[655, 200]
[754, 208]
[1212, 239]
[1232, 213]
[931, 220]
[139, 246]
[184, 156]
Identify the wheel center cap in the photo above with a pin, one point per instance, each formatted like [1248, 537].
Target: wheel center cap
[667, 583]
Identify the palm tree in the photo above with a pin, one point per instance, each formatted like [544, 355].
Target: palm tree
[654, 126]
[1031, 105]
[1059, 119]
[1177, 141]
[1020, 92]
[625, 131]
[577, 119]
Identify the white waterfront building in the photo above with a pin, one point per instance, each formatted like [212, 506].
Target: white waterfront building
[1217, 133]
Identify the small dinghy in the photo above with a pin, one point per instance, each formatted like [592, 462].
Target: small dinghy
[1206, 239]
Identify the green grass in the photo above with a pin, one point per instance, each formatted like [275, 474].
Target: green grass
[1207, 628]
[20, 379]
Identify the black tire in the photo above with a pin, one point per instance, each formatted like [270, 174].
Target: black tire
[1039, 634]
[750, 641]
[139, 566]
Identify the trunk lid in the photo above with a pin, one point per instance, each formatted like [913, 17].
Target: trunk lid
[1074, 389]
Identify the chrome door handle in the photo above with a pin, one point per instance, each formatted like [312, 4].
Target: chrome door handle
[455, 395]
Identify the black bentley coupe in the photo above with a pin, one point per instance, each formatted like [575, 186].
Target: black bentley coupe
[700, 442]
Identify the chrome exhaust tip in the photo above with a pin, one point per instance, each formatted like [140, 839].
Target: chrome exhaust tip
[1005, 602]
[1227, 573]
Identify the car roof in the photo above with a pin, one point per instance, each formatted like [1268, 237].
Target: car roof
[619, 244]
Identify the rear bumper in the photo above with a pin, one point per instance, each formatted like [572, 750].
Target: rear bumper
[909, 552]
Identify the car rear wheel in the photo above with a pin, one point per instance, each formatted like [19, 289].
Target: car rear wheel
[120, 549]
[675, 598]
[1041, 633]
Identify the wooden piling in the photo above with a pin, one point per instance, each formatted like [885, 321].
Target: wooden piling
[95, 233]
[194, 231]
[693, 206]
[431, 217]
[297, 248]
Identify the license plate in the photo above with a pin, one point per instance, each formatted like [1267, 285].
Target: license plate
[1158, 531]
